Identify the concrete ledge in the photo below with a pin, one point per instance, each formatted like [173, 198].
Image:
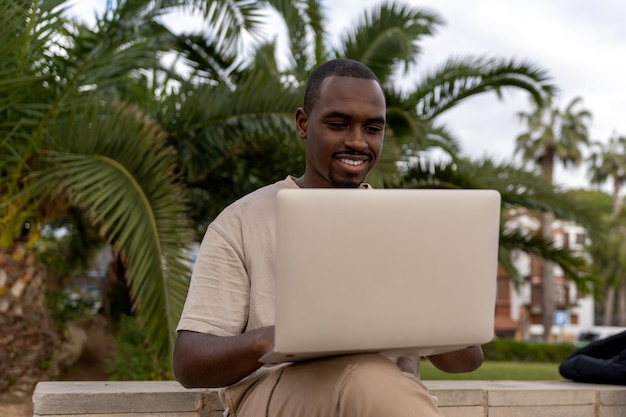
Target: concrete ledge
[528, 398]
[456, 399]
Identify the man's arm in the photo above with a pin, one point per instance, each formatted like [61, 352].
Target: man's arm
[207, 361]
[459, 361]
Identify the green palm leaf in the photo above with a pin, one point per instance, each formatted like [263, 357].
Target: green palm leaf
[230, 142]
[387, 35]
[459, 79]
[306, 30]
[553, 134]
[213, 124]
[121, 174]
[574, 267]
[518, 187]
[227, 20]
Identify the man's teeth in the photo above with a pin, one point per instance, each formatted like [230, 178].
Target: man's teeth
[351, 161]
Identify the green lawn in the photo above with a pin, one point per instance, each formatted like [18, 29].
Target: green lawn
[495, 370]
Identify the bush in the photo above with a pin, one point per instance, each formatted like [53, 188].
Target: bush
[134, 359]
[512, 350]
[65, 307]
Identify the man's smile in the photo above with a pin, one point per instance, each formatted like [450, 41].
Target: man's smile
[353, 164]
[352, 161]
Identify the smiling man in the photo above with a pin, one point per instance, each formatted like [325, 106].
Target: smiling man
[228, 320]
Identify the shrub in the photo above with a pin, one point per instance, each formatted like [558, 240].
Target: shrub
[65, 307]
[134, 359]
[512, 350]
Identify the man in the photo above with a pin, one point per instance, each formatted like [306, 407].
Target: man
[227, 323]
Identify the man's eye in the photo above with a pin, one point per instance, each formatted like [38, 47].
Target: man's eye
[337, 125]
[373, 129]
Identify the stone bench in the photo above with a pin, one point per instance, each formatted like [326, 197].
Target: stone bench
[456, 399]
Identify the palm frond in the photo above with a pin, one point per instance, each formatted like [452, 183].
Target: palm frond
[29, 44]
[226, 21]
[459, 79]
[608, 160]
[306, 30]
[230, 142]
[110, 160]
[388, 35]
[440, 137]
[213, 124]
[553, 135]
[204, 58]
[575, 268]
[517, 186]
[402, 121]
[264, 60]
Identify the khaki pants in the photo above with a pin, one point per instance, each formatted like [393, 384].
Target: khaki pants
[345, 386]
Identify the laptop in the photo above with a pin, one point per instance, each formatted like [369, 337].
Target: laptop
[396, 271]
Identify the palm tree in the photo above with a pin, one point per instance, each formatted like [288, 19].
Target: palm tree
[78, 131]
[609, 262]
[552, 134]
[609, 162]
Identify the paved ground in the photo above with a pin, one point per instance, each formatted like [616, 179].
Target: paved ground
[90, 367]
[17, 409]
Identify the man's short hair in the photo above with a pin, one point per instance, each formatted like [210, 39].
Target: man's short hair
[339, 67]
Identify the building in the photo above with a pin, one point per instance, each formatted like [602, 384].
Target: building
[518, 306]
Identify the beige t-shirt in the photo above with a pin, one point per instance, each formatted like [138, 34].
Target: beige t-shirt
[232, 284]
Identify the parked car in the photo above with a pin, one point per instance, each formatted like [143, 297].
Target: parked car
[591, 334]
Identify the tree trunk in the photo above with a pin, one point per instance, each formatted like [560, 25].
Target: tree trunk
[621, 305]
[29, 339]
[621, 291]
[116, 299]
[617, 202]
[609, 303]
[548, 290]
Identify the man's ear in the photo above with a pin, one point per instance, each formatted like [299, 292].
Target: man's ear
[302, 120]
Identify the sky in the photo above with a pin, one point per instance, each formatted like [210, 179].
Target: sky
[580, 43]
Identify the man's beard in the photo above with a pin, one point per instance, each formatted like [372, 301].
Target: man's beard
[345, 183]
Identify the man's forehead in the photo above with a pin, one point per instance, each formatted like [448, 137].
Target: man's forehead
[340, 85]
[344, 79]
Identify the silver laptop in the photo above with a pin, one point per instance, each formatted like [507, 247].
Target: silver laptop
[402, 272]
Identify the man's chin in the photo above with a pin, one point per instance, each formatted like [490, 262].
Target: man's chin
[347, 183]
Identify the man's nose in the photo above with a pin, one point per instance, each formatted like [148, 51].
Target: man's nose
[355, 139]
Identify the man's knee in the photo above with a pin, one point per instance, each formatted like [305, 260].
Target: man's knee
[369, 372]
[376, 385]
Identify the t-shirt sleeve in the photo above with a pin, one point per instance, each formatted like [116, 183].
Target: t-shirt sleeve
[219, 291]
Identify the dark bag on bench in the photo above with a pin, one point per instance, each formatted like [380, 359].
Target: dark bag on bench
[599, 362]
